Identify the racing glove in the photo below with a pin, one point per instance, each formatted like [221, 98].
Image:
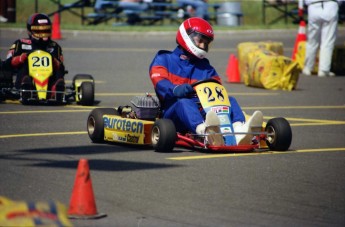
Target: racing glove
[19, 60]
[181, 91]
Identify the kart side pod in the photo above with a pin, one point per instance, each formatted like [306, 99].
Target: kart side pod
[107, 124]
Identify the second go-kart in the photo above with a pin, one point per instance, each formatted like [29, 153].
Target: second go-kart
[38, 84]
[140, 124]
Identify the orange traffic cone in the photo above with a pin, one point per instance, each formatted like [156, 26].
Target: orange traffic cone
[56, 33]
[232, 71]
[301, 36]
[82, 204]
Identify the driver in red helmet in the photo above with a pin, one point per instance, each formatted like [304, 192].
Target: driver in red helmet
[39, 28]
[173, 72]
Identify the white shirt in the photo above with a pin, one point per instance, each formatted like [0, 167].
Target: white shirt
[308, 2]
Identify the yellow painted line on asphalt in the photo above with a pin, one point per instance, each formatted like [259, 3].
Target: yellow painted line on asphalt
[11, 102]
[309, 122]
[198, 157]
[313, 120]
[316, 124]
[41, 134]
[321, 150]
[41, 111]
[82, 107]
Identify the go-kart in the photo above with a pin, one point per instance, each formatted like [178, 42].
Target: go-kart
[37, 86]
[140, 124]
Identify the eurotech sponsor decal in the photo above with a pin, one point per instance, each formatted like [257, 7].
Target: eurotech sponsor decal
[123, 124]
[220, 109]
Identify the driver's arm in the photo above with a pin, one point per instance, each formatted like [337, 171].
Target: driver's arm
[58, 57]
[15, 55]
[163, 86]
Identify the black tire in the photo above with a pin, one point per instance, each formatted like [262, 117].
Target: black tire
[95, 124]
[163, 135]
[87, 94]
[281, 137]
[82, 77]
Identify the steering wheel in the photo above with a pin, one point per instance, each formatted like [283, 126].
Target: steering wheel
[205, 81]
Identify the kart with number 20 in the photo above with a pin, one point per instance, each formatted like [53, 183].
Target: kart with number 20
[37, 86]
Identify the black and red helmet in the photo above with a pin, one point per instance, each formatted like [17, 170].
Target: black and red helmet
[39, 27]
[193, 29]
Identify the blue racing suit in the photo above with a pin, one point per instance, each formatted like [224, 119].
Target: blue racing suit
[171, 68]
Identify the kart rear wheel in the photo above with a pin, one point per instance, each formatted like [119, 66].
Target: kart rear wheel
[281, 137]
[87, 94]
[95, 124]
[163, 135]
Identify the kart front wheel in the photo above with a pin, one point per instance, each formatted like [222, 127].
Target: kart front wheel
[163, 135]
[279, 134]
[82, 77]
[95, 124]
[87, 94]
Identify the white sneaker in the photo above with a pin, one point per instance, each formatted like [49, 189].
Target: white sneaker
[331, 74]
[212, 129]
[253, 124]
[324, 74]
[200, 129]
[306, 72]
[3, 19]
[210, 121]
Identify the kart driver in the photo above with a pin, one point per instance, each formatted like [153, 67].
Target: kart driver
[39, 28]
[173, 72]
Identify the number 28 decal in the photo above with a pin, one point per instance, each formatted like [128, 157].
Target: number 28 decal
[212, 95]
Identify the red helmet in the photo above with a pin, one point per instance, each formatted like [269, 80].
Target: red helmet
[39, 27]
[191, 33]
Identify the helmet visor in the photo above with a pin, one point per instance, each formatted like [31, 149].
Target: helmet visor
[200, 40]
[41, 31]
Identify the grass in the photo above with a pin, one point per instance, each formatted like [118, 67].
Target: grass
[252, 19]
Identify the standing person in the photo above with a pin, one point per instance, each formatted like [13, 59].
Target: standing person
[132, 8]
[39, 28]
[199, 8]
[173, 72]
[322, 33]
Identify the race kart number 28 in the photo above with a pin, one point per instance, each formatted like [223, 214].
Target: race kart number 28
[212, 94]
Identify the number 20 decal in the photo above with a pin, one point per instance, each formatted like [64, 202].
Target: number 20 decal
[39, 62]
[210, 95]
